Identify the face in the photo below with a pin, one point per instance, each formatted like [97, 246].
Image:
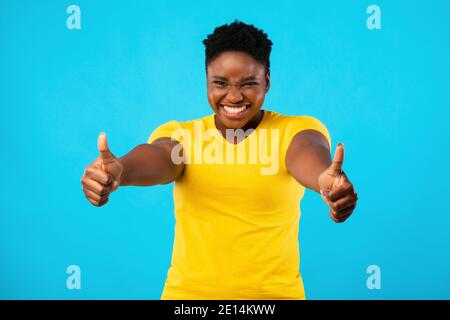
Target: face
[237, 85]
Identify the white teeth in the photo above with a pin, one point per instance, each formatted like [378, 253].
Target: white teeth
[234, 110]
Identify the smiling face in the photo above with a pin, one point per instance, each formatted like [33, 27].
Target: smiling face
[237, 85]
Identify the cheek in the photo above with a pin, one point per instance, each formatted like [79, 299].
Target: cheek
[212, 98]
[258, 96]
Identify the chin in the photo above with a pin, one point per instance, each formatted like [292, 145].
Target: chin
[233, 123]
[235, 120]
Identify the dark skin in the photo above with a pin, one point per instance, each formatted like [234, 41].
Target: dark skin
[234, 79]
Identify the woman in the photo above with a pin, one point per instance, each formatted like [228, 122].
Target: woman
[239, 175]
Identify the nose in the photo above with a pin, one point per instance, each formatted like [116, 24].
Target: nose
[234, 94]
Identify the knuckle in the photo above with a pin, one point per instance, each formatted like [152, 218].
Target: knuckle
[345, 187]
[102, 190]
[106, 178]
[87, 192]
[349, 188]
[88, 170]
[86, 180]
[93, 202]
[94, 196]
[339, 219]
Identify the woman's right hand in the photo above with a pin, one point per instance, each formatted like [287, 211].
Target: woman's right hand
[102, 176]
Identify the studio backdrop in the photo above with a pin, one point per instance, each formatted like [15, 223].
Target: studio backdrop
[376, 73]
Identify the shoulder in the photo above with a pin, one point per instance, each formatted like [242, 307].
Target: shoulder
[290, 125]
[176, 129]
[293, 121]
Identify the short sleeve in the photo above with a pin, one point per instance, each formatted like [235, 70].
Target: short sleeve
[171, 129]
[297, 124]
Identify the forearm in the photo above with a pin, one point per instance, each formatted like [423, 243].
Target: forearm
[147, 165]
[309, 164]
[307, 157]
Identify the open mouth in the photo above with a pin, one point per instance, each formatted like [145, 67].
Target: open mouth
[233, 112]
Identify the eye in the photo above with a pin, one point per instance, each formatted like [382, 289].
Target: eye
[250, 84]
[220, 84]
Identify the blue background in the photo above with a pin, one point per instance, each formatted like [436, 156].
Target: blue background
[136, 64]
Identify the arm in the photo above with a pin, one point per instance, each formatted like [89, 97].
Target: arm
[150, 164]
[308, 155]
[145, 165]
[308, 160]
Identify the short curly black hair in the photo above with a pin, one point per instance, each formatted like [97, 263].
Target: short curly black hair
[238, 36]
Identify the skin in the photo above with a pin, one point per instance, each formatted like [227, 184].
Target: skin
[234, 79]
[236, 70]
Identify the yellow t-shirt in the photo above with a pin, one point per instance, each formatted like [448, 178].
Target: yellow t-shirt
[237, 211]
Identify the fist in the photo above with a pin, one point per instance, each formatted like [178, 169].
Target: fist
[336, 189]
[102, 176]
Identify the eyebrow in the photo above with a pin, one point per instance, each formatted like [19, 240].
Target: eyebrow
[243, 80]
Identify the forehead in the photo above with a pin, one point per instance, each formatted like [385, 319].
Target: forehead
[235, 65]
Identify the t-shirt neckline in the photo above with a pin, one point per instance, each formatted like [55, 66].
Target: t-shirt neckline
[246, 138]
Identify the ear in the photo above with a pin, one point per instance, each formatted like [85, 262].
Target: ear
[267, 81]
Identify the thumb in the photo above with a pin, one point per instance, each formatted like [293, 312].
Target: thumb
[102, 144]
[338, 160]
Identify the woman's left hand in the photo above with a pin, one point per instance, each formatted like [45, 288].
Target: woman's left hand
[336, 190]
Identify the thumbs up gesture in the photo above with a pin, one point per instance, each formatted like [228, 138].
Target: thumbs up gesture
[336, 190]
[102, 176]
